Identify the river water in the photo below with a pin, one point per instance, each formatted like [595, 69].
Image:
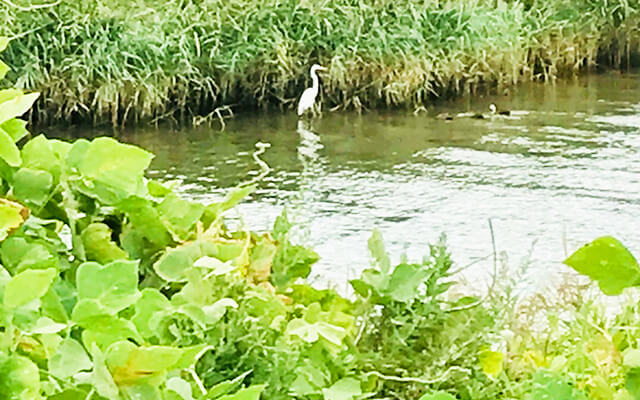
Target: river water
[563, 169]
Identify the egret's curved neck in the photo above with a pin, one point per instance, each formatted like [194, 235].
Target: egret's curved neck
[314, 78]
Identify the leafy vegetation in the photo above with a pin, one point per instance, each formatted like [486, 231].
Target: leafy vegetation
[121, 61]
[114, 287]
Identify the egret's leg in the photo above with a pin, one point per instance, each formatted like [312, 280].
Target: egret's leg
[316, 111]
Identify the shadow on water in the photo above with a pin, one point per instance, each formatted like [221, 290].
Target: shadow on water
[565, 164]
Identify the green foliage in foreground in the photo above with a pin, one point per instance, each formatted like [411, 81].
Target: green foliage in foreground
[120, 61]
[114, 287]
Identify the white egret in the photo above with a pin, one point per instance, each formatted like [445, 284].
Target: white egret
[308, 97]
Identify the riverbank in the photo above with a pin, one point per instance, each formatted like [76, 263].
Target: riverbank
[122, 62]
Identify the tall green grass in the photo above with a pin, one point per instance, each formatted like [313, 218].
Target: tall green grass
[125, 61]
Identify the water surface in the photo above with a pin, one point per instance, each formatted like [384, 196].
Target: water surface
[562, 170]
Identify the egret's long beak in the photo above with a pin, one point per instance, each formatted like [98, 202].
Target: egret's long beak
[322, 69]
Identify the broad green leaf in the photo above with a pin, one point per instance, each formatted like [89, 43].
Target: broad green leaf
[77, 153]
[4, 42]
[233, 198]
[8, 94]
[332, 333]
[45, 154]
[27, 286]
[214, 266]
[344, 389]
[53, 307]
[32, 186]
[131, 364]
[261, 260]
[101, 376]
[12, 216]
[405, 281]
[311, 332]
[281, 226]
[132, 242]
[105, 289]
[143, 392]
[174, 264]
[291, 262]
[372, 283]
[98, 246]
[378, 253]
[632, 382]
[60, 148]
[4, 279]
[214, 312]
[609, 263]
[145, 219]
[309, 380]
[4, 68]
[45, 325]
[70, 394]
[190, 355]
[304, 330]
[19, 254]
[117, 165]
[156, 189]
[16, 128]
[19, 378]
[491, 362]
[440, 395]
[70, 358]
[8, 150]
[180, 215]
[631, 358]
[151, 302]
[180, 387]
[105, 330]
[547, 385]
[16, 106]
[251, 393]
[225, 387]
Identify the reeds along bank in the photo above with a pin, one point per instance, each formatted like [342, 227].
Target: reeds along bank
[122, 62]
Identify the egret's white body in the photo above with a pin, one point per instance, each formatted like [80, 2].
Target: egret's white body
[308, 97]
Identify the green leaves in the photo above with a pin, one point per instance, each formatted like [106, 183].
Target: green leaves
[13, 103]
[32, 186]
[378, 253]
[631, 362]
[105, 290]
[8, 150]
[609, 263]
[27, 286]
[344, 389]
[12, 216]
[98, 246]
[491, 362]
[115, 169]
[19, 378]
[548, 385]
[16, 106]
[130, 364]
[440, 395]
[69, 359]
[179, 215]
[317, 324]
[402, 283]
